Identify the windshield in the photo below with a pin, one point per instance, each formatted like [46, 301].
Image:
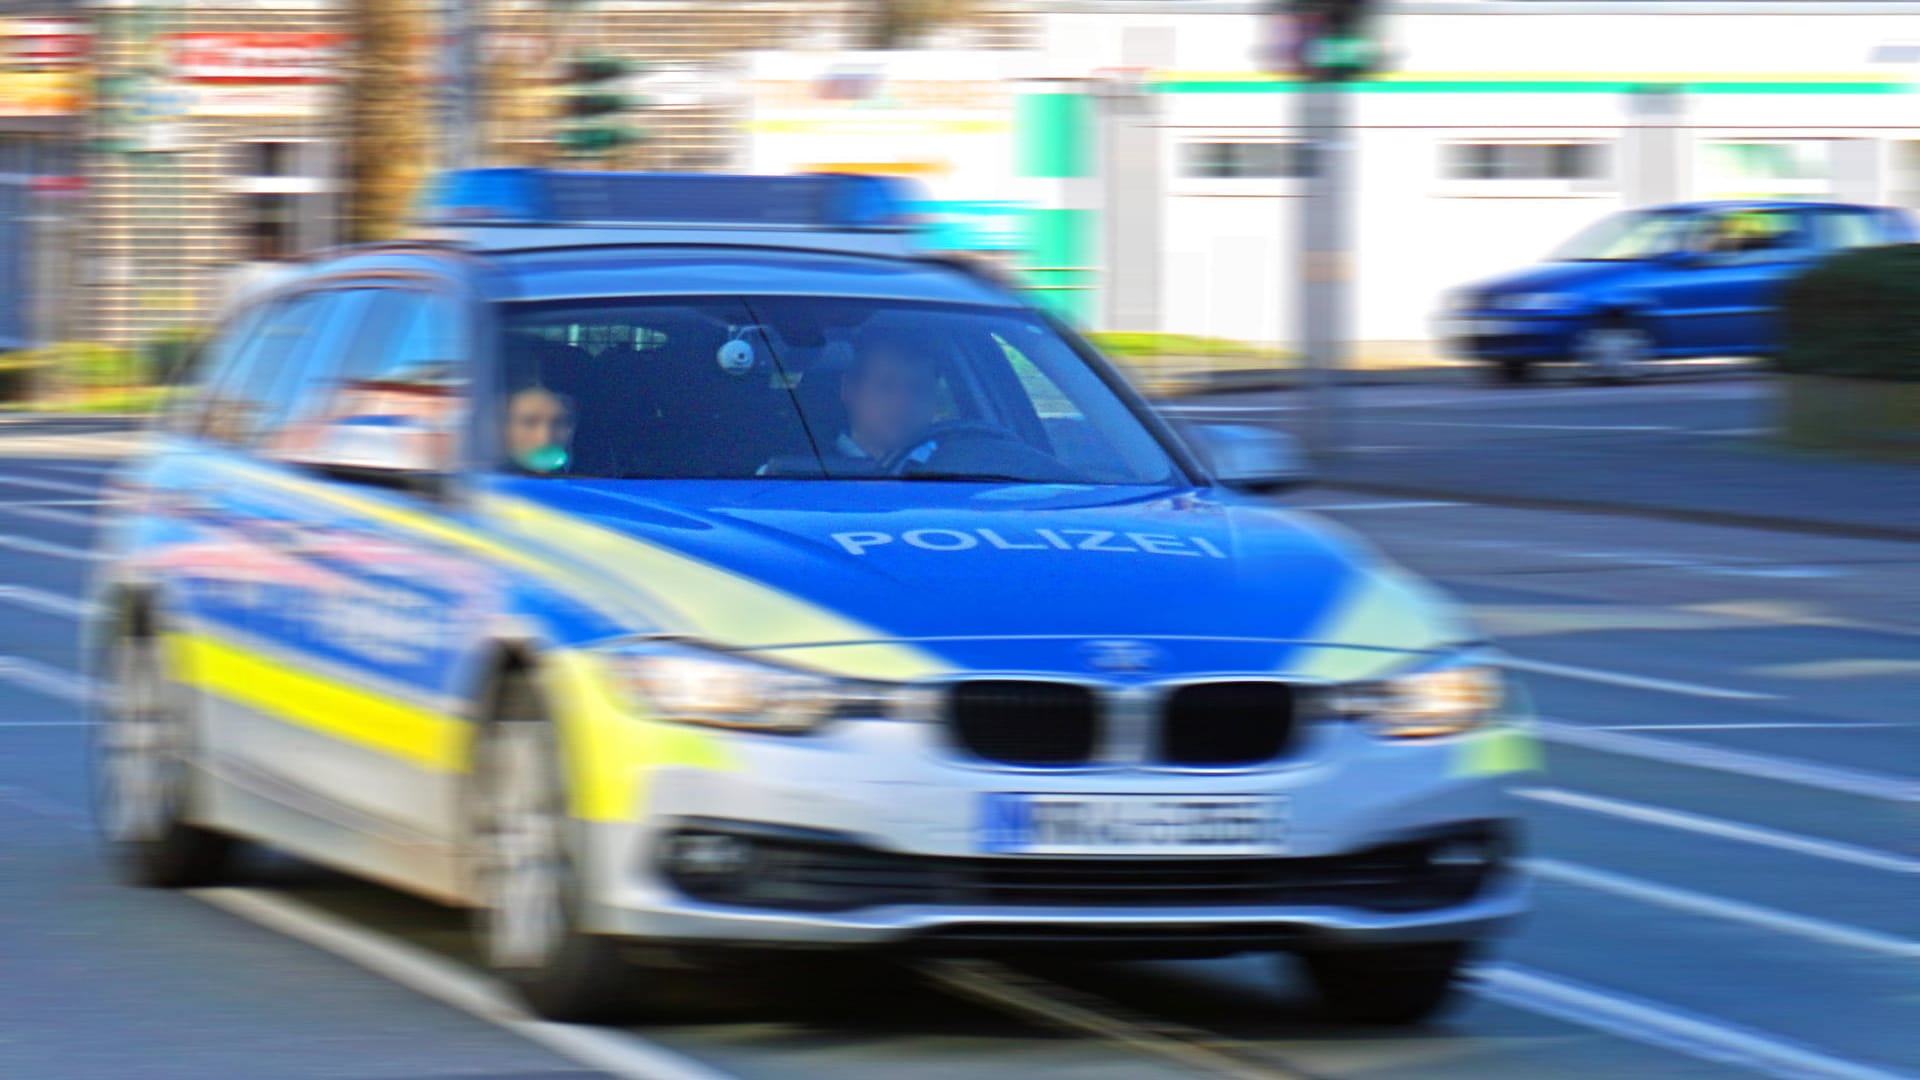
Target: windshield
[810, 388]
[1640, 234]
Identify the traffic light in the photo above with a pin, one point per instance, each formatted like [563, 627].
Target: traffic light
[1332, 40]
[593, 105]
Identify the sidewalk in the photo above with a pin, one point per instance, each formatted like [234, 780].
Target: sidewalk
[1742, 480]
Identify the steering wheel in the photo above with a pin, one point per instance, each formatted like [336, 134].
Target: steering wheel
[943, 436]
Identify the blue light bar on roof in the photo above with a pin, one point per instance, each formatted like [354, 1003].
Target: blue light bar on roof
[490, 197]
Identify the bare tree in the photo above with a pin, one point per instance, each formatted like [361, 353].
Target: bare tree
[898, 24]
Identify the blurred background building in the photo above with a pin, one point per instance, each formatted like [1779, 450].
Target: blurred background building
[1130, 158]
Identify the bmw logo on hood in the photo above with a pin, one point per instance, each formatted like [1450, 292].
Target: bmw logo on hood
[1121, 656]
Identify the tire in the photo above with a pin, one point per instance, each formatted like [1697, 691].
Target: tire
[1398, 985]
[144, 775]
[527, 873]
[1511, 372]
[1614, 350]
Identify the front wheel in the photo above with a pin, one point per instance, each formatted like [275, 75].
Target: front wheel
[531, 889]
[1397, 985]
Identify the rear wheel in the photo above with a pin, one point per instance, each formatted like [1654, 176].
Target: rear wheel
[143, 774]
[1614, 350]
[1513, 372]
[531, 889]
[1400, 984]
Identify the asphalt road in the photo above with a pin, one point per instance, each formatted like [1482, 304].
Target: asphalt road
[1727, 844]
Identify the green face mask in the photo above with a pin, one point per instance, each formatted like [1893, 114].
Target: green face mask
[545, 459]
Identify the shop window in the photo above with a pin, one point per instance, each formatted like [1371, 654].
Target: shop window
[1225, 160]
[1524, 161]
[1774, 168]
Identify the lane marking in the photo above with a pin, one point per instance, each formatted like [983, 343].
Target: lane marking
[1523, 427]
[1664, 1026]
[49, 603]
[1056, 1006]
[47, 679]
[1867, 785]
[1685, 821]
[1427, 505]
[1637, 682]
[47, 513]
[1718, 907]
[1758, 725]
[51, 485]
[610, 1050]
[43, 723]
[32, 546]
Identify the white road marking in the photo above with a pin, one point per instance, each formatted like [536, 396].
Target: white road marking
[1661, 1025]
[1867, 785]
[51, 485]
[1783, 725]
[34, 546]
[47, 513]
[1719, 907]
[1704, 825]
[1428, 505]
[43, 723]
[46, 679]
[1031, 998]
[1174, 407]
[1522, 427]
[610, 1050]
[49, 603]
[1637, 682]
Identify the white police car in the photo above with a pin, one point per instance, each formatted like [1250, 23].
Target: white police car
[688, 561]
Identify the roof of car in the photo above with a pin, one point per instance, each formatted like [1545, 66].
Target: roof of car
[1762, 204]
[609, 270]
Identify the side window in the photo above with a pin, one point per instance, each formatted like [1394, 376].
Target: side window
[217, 363]
[393, 400]
[1838, 230]
[302, 384]
[1749, 236]
[238, 401]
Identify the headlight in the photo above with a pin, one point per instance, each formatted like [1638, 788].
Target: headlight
[1536, 301]
[704, 686]
[1443, 701]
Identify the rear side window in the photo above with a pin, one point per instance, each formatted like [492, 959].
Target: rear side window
[239, 398]
[398, 369]
[1838, 230]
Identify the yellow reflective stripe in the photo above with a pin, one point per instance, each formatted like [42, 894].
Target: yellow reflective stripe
[714, 603]
[1498, 750]
[611, 753]
[423, 737]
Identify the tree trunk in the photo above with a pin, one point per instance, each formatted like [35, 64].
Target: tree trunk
[388, 134]
[899, 24]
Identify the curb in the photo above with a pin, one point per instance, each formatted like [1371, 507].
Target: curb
[1689, 515]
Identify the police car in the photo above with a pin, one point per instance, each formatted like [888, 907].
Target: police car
[690, 562]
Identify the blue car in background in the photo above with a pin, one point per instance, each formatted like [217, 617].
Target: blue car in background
[1687, 280]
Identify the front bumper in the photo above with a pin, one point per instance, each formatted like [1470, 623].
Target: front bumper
[885, 790]
[1194, 929]
[1508, 335]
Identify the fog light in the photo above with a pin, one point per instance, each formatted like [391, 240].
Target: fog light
[708, 857]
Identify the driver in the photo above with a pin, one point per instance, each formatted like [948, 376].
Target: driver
[889, 392]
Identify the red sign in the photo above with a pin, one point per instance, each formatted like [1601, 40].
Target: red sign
[269, 57]
[43, 43]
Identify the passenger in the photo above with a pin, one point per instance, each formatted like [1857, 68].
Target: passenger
[539, 430]
[889, 392]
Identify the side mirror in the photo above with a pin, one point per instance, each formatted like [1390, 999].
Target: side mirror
[1248, 458]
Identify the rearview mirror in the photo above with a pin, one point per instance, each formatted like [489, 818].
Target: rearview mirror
[1249, 458]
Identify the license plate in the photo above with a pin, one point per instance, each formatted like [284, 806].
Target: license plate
[1048, 824]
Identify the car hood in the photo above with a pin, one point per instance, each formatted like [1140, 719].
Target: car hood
[1007, 577]
[1562, 277]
